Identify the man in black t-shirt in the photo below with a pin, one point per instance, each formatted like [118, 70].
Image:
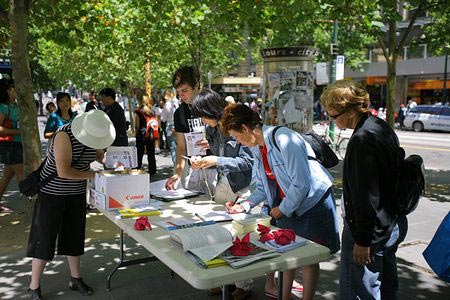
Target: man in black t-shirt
[186, 81]
[116, 114]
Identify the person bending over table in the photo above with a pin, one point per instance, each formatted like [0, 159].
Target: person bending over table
[60, 209]
[299, 191]
[233, 161]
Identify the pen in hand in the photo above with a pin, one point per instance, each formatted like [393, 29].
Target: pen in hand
[235, 201]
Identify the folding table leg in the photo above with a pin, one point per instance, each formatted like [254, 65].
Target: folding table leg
[280, 285]
[226, 292]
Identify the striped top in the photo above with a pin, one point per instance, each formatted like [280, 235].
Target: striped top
[61, 186]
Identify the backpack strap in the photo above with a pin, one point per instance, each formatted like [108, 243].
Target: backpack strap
[274, 141]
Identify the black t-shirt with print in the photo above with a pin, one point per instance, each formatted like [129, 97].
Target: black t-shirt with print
[185, 121]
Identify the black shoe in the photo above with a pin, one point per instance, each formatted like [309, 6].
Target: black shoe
[35, 294]
[77, 284]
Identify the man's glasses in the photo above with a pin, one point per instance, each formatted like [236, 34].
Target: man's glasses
[335, 116]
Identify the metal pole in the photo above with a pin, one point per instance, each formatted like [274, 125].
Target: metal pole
[333, 71]
[444, 89]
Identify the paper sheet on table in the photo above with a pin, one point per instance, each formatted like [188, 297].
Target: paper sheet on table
[216, 216]
[191, 139]
[158, 190]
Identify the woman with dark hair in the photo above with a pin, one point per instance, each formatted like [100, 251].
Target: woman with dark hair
[297, 189]
[11, 152]
[144, 144]
[233, 161]
[63, 115]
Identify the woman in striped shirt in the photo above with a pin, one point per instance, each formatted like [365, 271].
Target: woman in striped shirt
[60, 210]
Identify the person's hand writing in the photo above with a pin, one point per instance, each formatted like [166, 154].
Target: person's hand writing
[361, 255]
[276, 213]
[234, 209]
[172, 182]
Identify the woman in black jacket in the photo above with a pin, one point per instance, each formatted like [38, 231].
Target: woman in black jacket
[372, 231]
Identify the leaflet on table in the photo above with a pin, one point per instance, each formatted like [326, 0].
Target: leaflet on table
[158, 190]
[139, 211]
[256, 254]
[272, 245]
[207, 242]
[191, 139]
[173, 222]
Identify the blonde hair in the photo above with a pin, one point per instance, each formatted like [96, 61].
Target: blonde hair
[346, 95]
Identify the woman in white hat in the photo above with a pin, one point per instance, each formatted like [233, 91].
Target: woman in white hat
[60, 210]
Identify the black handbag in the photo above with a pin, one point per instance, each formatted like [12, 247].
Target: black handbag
[31, 184]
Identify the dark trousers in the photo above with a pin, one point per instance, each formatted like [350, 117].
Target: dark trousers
[143, 145]
[162, 133]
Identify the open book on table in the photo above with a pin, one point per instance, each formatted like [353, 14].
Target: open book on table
[207, 244]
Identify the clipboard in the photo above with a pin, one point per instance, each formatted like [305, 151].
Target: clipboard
[158, 191]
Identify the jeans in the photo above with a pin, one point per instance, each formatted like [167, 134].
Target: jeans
[171, 141]
[377, 280]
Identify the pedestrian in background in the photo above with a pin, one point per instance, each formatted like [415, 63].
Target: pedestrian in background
[117, 115]
[50, 107]
[372, 232]
[144, 144]
[63, 115]
[297, 189]
[60, 209]
[167, 114]
[11, 152]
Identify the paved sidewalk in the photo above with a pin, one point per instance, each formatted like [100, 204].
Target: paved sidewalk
[153, 281]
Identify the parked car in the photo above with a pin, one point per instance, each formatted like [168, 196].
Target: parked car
[428, 117]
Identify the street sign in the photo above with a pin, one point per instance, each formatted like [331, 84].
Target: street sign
[322, 73]
[340, 61]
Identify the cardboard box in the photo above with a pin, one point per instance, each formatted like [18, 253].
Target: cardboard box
[117, 156]
[126, 189]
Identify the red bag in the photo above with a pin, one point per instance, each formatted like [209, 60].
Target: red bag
[152, 131]
[6, 124]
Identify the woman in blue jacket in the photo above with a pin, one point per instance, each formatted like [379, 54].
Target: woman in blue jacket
[61, 116]
[298, 190]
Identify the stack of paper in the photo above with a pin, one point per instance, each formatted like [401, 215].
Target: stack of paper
[272, 245]
[245, 223]
[158, 191]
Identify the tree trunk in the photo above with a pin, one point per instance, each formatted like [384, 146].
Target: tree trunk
[18, 20]
[391, 86]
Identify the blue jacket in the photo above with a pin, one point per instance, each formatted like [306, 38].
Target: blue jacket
[303, 181]
[235, 163]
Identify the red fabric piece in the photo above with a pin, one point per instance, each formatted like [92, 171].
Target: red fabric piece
[264, 233]
[142, 223]
[241, 247]
[284, 236]
[268, 170]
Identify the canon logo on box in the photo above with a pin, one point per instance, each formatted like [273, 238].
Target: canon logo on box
[134, 197]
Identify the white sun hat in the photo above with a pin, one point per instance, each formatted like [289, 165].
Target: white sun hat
[94, 129]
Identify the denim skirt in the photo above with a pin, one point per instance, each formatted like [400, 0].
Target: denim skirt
[319, 224]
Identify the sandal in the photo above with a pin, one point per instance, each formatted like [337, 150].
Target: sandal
[77, 284]
[35, 294]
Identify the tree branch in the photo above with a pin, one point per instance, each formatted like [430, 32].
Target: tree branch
[383, 47]
[410, 25]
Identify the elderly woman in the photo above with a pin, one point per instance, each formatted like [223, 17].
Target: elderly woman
[61, 116]
[298, 190]
[60, 210]
[372, 231]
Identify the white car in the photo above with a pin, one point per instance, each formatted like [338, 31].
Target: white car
[428, 117]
